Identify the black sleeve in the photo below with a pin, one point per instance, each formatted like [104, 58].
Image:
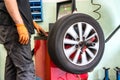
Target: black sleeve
[5, 18]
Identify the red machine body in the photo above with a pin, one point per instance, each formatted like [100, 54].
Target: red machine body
[45, 69]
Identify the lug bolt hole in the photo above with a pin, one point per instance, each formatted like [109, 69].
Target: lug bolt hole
[76, 46]
[78, 39]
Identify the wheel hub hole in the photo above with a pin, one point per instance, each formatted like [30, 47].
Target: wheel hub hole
[83, 43]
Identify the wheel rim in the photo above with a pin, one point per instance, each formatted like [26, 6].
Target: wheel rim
[81, 43]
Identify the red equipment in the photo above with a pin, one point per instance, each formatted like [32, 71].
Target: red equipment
[46, 69]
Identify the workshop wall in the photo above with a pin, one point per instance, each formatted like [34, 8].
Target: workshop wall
[109, 20]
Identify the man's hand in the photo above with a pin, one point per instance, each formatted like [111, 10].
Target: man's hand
[23, 34]
[12, 8]
[39, 28]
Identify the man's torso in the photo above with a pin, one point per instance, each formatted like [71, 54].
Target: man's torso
[24, 8]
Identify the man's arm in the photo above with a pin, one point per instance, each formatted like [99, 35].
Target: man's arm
[13, 10]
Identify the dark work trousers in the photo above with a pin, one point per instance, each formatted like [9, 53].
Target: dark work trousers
[19, 64]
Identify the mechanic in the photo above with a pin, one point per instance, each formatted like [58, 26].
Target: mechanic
[16, 27]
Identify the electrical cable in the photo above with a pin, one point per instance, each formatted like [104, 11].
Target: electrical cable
[96, 10]
[110, 36]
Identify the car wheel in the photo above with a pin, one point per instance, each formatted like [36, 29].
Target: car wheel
[76, 43]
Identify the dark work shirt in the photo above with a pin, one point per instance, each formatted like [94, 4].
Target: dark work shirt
[1, 0]
[24, 8]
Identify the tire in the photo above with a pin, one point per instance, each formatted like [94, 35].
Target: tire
[76, 43]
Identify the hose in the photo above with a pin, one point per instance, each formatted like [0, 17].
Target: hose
[96, 10]
[110, 36]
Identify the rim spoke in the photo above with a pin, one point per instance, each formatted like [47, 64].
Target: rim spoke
[95, 46]
[69, 41]
[76, 56]
[84, 58]
[72, 32]
[93, 35]
[80, 31]
[87, 30]
[69, 51]
[90, 53]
